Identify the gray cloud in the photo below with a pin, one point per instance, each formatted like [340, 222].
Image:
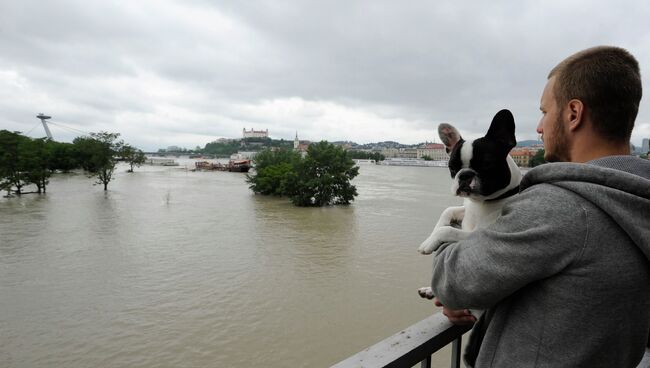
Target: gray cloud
[185, 73]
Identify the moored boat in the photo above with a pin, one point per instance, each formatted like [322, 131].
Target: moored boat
[239, 165]
[161, 161]
[412, 162]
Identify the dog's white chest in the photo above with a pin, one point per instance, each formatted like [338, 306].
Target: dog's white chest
[479, 214]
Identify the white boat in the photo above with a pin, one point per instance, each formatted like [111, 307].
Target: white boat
[413, 162]
[363, 161]
[243, 156]
[161, 161]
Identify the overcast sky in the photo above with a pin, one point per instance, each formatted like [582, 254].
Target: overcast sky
[185, 73]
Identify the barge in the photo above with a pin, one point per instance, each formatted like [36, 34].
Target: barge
[232, 166]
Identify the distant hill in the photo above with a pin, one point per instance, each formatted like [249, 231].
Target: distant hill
[228, 147]
[528, 143]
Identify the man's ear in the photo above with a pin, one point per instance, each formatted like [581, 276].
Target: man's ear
[502, 129]
[575, 112]
[449, 136]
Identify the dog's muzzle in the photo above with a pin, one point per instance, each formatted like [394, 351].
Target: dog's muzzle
[467, 183]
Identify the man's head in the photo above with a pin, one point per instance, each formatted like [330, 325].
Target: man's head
[598, 91]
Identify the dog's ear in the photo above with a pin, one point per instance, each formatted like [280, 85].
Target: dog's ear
[502, 129]
[449, 136]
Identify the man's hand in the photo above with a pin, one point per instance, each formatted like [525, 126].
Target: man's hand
[456, 316]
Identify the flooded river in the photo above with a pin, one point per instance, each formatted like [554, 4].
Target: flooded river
[173, 268]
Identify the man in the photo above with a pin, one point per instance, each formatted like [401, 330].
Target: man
[564, 273]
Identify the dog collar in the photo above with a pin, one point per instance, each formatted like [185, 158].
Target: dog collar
[507, 194]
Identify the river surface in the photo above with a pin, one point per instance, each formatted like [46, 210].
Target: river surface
[173, 268]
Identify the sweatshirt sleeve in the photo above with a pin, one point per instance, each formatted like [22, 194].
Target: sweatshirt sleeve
[540, 232]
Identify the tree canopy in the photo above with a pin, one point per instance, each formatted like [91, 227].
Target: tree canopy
[26, 161]
[98, 154]
[12, 160]
[321, 178]
[355, 154]
[275, 172]
[538, 159]
[132, 155]
[227, 148]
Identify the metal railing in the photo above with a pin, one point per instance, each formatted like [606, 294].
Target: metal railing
[413, 345]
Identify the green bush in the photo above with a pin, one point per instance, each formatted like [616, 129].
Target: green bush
[538, 159]
[321, 178]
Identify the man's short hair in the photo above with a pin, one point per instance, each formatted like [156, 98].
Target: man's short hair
[608, 82]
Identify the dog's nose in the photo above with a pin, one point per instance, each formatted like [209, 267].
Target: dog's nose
[465, 175]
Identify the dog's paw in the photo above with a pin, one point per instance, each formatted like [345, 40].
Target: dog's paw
[451, 216]
[433, 242]
[441, 237]
[428, 246]
[426, 292]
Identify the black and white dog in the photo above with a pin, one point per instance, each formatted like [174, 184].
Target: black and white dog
[484, 174]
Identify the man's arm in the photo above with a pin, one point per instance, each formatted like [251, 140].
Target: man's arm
[539, 233]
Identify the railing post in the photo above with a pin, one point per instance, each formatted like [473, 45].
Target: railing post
[455, 352]
[426, 363]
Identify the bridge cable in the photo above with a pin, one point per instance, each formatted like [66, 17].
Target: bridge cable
[34, 127]
[69, 128]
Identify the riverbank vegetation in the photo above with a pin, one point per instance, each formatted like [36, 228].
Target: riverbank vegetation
[363, 155]
[98, 155]
[226, 148]
[321, 178]
[26, 161]
[538, 159]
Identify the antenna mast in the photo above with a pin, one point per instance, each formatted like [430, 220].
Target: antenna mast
[47, 129]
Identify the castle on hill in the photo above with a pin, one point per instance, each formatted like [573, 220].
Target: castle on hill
[255, 133]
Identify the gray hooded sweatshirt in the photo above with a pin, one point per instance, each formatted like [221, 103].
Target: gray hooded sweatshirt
[564, 272]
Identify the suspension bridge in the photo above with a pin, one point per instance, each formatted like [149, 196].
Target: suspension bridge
[46, 123]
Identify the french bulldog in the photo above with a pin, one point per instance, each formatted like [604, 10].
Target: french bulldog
[483, 174]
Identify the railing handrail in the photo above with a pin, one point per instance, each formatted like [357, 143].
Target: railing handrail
[410, 346]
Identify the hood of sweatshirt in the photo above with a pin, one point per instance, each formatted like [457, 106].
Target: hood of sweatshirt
[619, 185]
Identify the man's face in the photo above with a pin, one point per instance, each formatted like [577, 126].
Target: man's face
[552, 127]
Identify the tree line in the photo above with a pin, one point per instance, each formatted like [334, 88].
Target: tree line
[320, 178]
[227, 148]
[538, 159]
[26, 161]
[356, 154]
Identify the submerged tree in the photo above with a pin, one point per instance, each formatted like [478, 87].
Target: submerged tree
[324, 176]
[132, 155]
[35, 159]
[98, 155]
[274, 172]
[62, 156]
[12, 166]
[25, 161]
[5, 186]
[321, 178]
